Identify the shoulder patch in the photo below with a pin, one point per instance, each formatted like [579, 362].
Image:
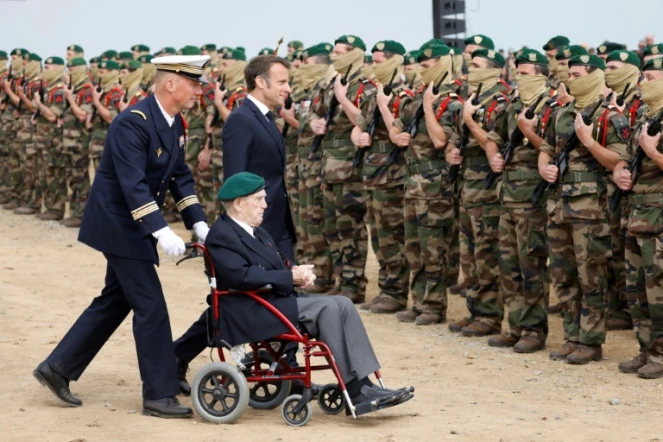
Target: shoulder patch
[621, 125]
[139, 113]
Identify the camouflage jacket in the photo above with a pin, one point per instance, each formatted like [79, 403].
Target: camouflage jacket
[289, 139]
[110, 101]
[634, 107]
[234, 98]
[74, 130]
[55, 100]
[305, 101]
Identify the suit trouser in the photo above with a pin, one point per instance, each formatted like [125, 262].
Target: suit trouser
[130, 285]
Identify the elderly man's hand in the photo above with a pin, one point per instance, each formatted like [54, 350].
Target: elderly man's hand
[303, 276]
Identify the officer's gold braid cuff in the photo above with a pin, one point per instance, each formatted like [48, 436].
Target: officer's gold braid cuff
[186, 202]
[144, 210]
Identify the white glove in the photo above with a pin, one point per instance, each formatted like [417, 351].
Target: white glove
[201, 230]
[172, 244]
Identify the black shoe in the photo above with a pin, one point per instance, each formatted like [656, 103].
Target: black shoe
[168, 408]
[297, 387]
[58, 384]
[182, 369]
[373, 398]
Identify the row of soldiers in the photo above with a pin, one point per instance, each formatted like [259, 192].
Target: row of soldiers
[442, 166]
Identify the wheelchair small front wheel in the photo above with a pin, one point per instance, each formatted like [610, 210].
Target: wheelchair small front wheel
[220, 393]
[264, 395]
[331, 399]
[292, 417]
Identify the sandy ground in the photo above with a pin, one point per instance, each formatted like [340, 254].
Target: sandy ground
[466, 391]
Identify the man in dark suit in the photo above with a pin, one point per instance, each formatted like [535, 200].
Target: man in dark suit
[245, 257]
[253, 143]
[143, 158]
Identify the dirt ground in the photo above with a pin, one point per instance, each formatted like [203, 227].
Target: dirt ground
[465, 390]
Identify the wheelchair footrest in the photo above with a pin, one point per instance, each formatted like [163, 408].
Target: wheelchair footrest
[381, 404]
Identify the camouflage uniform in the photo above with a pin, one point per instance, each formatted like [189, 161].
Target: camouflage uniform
[343, 192]
[196, 139]
[30, 192]
[523, 251]
[7, 121]
[11, 125]
[579, 240]
[99, 127]
[292, 179]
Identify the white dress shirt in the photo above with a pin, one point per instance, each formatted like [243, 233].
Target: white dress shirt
[261, 106]
[168, 118]
[244, 226]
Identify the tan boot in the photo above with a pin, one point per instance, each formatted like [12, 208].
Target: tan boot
[456, 327]
[408, 316]
[354, 297]
[386, 306]
[561, 354]
[10, 205]
[503, 341]
[49, 216]
[25, 210]
[618, 324]
[634, 364]
[584, 354]
[479, 329]
[529, 344]
[367, 305]
[4, 199]
[653, 370]
[429, 319]
[73, 222]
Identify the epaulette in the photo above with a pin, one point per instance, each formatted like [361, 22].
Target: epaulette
[134, 111]
[552, 103]
[499, 98]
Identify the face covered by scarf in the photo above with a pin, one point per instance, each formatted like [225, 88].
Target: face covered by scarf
[486, 76]
[109, 79]
[618, 79]
[652, 95]
[53, 74]
[354, 58]
[434, 73]
[78, 75]
[530, 87]
[587, 89]
[308, 75]
[131, 80]
[234, 73]
[385, 71]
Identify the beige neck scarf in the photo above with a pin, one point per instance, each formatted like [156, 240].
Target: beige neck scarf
[413, 76]
[563, 74]
[652, 95]
[530, 87]
[309, 74]
[553, 64]
[354, 58]
[149, 71]
[435, 73]
[53, 74]
[16, 65]
[32, 70]
[131, 80]
[618, 79]
[78, 76]
[385, 71]
[587, 89]
[234, 73]
[488, 77]
[109, 80]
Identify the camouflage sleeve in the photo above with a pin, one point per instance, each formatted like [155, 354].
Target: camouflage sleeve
[618, 133]
[367, 108]
[57, 105]
[448, 121]
[407, 114]
[550, 137]
[500, 132]
[86, 102]
[208, 99]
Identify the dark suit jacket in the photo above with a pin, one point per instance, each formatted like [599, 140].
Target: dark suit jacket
[143, 158]
[253, 144]
[241, 262]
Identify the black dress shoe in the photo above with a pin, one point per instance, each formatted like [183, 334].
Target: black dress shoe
[168, 408]
[182, 369]
[58, 384]
[374, 398]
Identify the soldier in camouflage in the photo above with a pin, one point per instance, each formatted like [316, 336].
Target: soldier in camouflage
[551, 49]
[579, 239]
[74, 51]
[606, 48]
[149, 72]
[131, 75]
[139, 50]
[5, 174]
[644, 238]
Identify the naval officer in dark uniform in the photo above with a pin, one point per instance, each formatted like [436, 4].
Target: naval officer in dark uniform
[143, 158]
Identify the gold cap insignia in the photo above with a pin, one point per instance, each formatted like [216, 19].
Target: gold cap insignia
[328, 47]
[159, 152]
[567, 53]
[491, 54]
[658, 62]
[623, 56]
[304, 55]
[18, 52]
[584, 58]
[49, 61]
[428, 52]
[380, 46]
[602, 48]
[478, 39]
[532, 57]
[654, 49]
[351, 39]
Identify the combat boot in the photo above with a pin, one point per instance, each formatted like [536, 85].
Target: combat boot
[367, 305]
[529, 344]
[458, 290]
[479, 329]
[429, 319]
[618, 324]
[634, 364]
[386, 306]
[73, 222]
[503, 341]
[319, 288]
[25, 210]
[354, 297]
[10, 205]
[653, 370]
[4, 199]
[556, 308]
[561, 354]
[456, 327]
[584, 354]
[407, 316]
[49, 216]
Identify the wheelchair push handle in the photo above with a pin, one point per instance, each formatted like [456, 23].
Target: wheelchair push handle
[194, 249]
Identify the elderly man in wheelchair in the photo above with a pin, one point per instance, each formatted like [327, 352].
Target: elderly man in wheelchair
[260, 307]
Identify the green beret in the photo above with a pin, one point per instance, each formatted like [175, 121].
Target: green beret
[391, 46]
[124, 56]
[235, 54]
[3, 55]
[368, 58]
[168, 51]
[19, 51]
[239, 185]
[210, 47]
[656, 49]
[189, 50]
[432, 51]
[625, 57]
[110, 64]
[556, 43]
[266, 51]
[26, 56]
[225, 50]
[75, 48]
[490, 55]
[95, 60]
[241, 48]
[434, 41]
[111, 53]
[146, 58]
[570, 51]
[131, 64]
[55, 60]
[76, 61]
[655, 64]
[480, 40]
[35, 57]
[587, 60]
[140, 48]
[531, 56]
[411, 57]
[351, 40]
[322, 48]
[296, 44]
[608, 46]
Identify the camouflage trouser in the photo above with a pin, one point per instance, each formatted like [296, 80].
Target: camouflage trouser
[479, 259]
[217, 179]
[203, 179]
[77, 161]
[31, 188]
[617, 303]
[22, 138]
[5, 171]
[52, 176]
[644, 289]
[523, 256]
[293, 197]
[96, 151]
[312, 218]
[346, 233]
[579, 251]
[429, 234]
[454, 250]
[387, 229]
[169, 207]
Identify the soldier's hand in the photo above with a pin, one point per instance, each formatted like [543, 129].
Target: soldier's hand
[623, 178]
[288, 114]
[584, 131]
[453, 157]
[470, 109]
[7, 86]
[525, 124]
[68, 93]
[429, 96]
[549, 172]
[20, 92]
[121, 105]
[319, 126]
[562, 95]
[339, 89]
[96, 96]
[649, 143]
[204, 158]
[219, 95]
[382, 99]
[364, 140]
[403, 139]
[496, 163]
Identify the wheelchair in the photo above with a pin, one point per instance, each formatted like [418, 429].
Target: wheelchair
[221, 393]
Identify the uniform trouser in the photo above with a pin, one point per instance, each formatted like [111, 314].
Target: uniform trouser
[77, 160]
[292, 189]
[53, 177]
[203, 179]
[302, 234]
[130, 285]
[479, 259]
[387, 229]
[312, 221]
[579, 251]
[454, 250]
[429, 234]
[31, 196]
[346, 233]
[617, 302]
[523, 269]
[14, 166]
[217, 178]
[644, 290]
[5, 171]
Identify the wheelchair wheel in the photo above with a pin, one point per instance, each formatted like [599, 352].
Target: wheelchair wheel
[220, 393]
[264, 395]
[331, 399]
[293, 418]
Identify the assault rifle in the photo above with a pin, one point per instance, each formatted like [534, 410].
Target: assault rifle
[288, 105]
[464, 139]
[9, 79]
[41, 97]
[329, 117]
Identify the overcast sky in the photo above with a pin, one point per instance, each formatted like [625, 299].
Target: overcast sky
[48, 26]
